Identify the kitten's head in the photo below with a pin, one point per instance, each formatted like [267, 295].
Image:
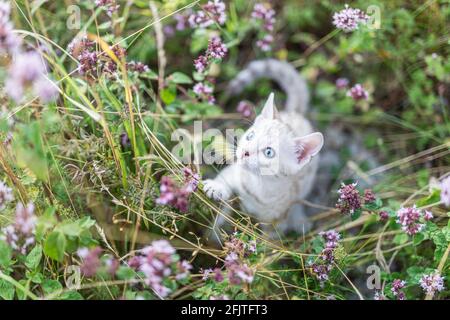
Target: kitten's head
[270, 147]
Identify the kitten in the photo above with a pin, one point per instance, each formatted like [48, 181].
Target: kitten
[276, 163]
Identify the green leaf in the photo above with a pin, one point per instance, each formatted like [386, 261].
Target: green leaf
[6, 290]
[51, 286]
[125, 273]
[401, 238]
[34, 258]
[5, 255]
[356, 214]
[55, 245]
[180, 78]
[71, 295]
[434, 197]
[418, 238]
[45, 222]
[168, 95]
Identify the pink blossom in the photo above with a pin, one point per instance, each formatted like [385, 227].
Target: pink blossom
[445, 191]
[349, 19]
[342, 83]
[409, 219]
[245, 109]
[212, 12]
[349, 198]
[397, 285]
[6, 195]
[432, 283]
[357, 92]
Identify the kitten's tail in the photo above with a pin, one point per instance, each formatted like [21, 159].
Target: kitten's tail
[281, 72]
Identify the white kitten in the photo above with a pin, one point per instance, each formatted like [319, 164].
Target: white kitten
[275, 167]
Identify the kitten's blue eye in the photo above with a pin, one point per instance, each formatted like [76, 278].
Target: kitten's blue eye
[250, 135]
[269, 152]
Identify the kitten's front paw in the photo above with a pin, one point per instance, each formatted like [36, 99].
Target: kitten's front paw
[216, 190]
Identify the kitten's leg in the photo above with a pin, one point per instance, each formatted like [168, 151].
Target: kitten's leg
[221, 188]
[296, 220]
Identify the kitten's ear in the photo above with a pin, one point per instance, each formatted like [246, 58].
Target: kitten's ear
[269, 111]
[308, 146]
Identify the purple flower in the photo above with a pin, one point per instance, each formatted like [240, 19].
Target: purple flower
[322, 268]
[216, 49]
[428, 215]
[80, 44]
[265, 13]
[212, 12]
[409, 219]
[349, 198]
[238, 273]
[201, 63]
[178, 197]
[349, 19]
[6, 195]
[46, 89]
[90, 260]
[191, 179]
[245, 109]
[9, 42]
[20, 234]
[265, 44]
[109, 5]
[157, 262]
[384, 215]
[138, 67]
[432, 283]
[397, 285]
[342, 83]
[183, 268]
[445, 191]
[204, 92]
[357, 92]
[369, 196]
[182, 20]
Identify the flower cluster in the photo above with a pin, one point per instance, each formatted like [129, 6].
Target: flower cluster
[92, 63]
[93, 263]
[216, 51]
[409, 218]
[397, 286]
[342, 83]
[445, 191]
[350, 199]
[27, 69]
[357, 92]
[246, 109]
[159, 261]
[174, 195]
[20, 234]
[6, 195]
[212, 12]
[264, 14]
[349, 19]
[432, 283]
[9, 42]
[236, 270]
[182, 20]
[322, 268]
[109, 5]
[204, 92]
